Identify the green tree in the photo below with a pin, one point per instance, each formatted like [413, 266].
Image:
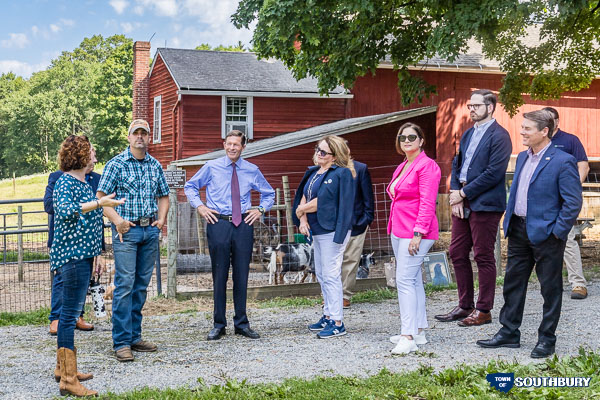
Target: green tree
[238, 47]
[343, 39]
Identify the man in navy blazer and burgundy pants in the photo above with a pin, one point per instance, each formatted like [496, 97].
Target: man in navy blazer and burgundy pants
[545, 199]
[478, 199]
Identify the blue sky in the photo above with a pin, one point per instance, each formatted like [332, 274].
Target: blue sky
[33, 32]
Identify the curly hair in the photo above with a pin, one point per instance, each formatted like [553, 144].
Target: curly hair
[74, 153]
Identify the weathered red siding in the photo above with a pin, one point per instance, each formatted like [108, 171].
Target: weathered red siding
[162, 84]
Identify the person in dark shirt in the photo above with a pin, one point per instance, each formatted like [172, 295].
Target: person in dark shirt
[571, 144]
[92, 178]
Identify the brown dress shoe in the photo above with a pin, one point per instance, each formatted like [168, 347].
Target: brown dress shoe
[346, 303]
[476, 318]
[83, 326]
[456, 314]
[144, 346]
[124, 354]
[53, 327]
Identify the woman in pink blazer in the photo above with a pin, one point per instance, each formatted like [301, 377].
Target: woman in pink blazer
[413, 227]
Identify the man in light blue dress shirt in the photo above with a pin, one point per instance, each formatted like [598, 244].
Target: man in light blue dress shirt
[229, 181]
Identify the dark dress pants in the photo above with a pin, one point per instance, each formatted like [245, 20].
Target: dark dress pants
[230, 245]
[479, 233]
[548, 260]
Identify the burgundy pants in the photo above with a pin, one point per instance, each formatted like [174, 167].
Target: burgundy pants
[477, 232]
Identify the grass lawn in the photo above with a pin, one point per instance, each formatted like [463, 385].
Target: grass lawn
[459, 382]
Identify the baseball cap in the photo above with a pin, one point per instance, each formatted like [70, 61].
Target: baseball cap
[137, 124]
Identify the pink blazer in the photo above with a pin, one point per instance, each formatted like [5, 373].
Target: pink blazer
[413, 206]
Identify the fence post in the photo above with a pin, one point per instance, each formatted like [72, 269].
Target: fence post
[172, 242]
[4, 239]
[498, 254]
[288, 209]
[20, 243]
[278, 202]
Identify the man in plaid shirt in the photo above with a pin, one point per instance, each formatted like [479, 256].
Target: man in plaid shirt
[138, 177]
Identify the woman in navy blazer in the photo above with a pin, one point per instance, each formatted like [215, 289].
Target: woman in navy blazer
[413, 227]
[323, 210]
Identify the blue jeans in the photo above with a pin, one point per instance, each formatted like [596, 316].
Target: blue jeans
[75, 280]
[134, 263]
[56, 296]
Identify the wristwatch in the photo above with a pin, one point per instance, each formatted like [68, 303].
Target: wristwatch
[261, 209]
[417, 234]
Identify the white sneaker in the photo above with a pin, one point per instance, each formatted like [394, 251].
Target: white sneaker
[419, 339]
[405, 346]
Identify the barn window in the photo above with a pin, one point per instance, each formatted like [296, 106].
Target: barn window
[237, 114]
[156, 133]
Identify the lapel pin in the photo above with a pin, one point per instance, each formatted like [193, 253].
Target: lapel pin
[547, 158]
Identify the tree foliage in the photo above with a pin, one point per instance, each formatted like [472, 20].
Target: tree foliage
[237, 47]
[343, 39]
[85, 91]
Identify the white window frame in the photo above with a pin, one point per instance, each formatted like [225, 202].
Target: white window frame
[157, 125]
[249, 117]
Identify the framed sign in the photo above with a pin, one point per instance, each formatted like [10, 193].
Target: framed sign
[175, 179]
[436, 270]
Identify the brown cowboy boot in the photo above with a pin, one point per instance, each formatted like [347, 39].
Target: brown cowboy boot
[69, 384]
[80, 375]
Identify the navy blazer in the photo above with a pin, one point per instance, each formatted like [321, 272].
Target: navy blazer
[364, 202]
[485, 186]
[93, 179]
[335, 207]
[554, 196]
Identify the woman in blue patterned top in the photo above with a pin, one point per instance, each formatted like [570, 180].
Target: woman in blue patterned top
[77, 241]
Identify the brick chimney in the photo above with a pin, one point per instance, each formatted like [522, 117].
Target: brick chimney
[141, 82]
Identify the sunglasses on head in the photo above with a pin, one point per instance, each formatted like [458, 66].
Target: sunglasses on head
[404, 138]
[322, 153]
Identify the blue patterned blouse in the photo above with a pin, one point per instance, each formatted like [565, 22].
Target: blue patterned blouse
[76, 235]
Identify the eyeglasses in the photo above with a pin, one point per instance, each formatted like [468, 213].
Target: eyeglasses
[404, 138]
[474, 107]
[322, 153]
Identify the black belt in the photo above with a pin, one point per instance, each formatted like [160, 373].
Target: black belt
[146, 221]
[229, 217]
[519, 218]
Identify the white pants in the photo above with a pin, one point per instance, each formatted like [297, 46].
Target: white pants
[409, 281]
[573, 263]
[328, 268]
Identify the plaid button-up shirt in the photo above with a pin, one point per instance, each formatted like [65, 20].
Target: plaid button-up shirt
[139, 182]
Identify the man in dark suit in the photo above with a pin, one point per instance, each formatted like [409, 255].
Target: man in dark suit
[545, 199]
[478, 199]
[92, 179]
[364, 212]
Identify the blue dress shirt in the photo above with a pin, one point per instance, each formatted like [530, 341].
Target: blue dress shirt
[475, 139]
[215, 175]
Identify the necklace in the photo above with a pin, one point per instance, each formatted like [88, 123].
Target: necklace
[312, 182]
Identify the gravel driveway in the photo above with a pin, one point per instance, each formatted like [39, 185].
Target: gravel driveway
[286, 348]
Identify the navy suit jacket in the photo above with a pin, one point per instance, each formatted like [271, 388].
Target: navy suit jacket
[485, 186]
[554, 197]
[93, 179]
[364, 202]
[335, 207]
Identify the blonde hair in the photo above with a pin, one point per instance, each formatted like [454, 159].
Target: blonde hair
[341, 152]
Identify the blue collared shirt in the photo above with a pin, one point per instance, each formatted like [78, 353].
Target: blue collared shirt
[215, 175]
[475, 139]
[525, 176]
[140, 182]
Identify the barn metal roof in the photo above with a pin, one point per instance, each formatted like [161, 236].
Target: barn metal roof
[313, 134]
[233, 71]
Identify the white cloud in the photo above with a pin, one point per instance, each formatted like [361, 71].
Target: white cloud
[35, 30]
[67, 22]
[216, 34]
[18, 40]
[165, 8]
[128, 26]
[175, 42]
[139, 10]
[118, 5]
[211, 12]
[21, 68]
[55, 28]
[176, 27]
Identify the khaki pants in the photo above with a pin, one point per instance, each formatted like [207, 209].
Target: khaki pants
[351, 262]
[572, 260]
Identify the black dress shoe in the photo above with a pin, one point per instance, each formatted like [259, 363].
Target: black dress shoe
[215, 333]
[499, 341]
[542, 350]
[248, 332]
